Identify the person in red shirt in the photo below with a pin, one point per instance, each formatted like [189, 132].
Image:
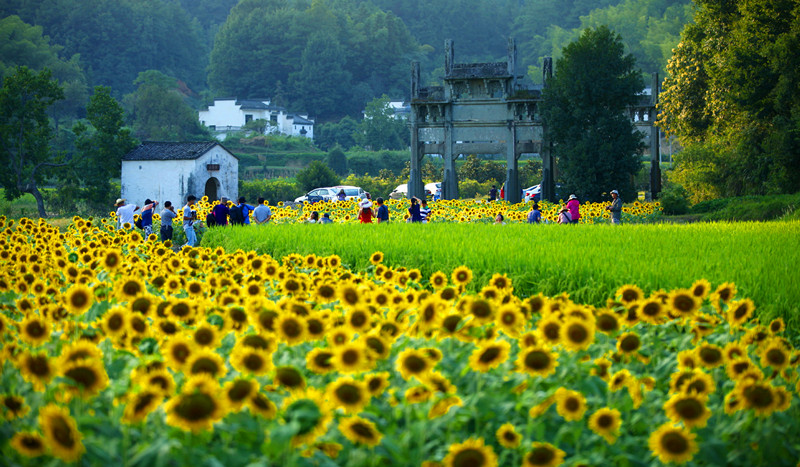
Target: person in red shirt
[365, 213]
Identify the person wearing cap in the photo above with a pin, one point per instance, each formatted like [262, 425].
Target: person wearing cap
[167, 215]
[147, 216]
[246, 209]
[383, 211]
[326, 219]
[365, 213]
[535, 216]
[221, 211]
[574, 208]
[125, 213]
[189, 216]
[262, 213]
[615, 207]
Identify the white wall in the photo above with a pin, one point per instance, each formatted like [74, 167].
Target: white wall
[174, 180]
[222, 113]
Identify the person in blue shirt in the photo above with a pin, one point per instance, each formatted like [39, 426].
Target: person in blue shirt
[221, 212]
[535, 216]
[383, 212]
[413, 211]
[246, 209]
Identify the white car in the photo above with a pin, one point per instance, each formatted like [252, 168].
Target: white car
[318, 194]
[402, 190]
[533, 193]
[433, 190]
[350, 192]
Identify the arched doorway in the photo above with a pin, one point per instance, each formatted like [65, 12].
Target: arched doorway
[212, 189]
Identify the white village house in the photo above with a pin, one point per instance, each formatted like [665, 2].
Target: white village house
[172, 171]
[231, 114]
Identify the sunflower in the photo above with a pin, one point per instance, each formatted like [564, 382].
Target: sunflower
[412, 362]
[510, 319]
[140, 405]
[206, 361]
[438, 280]
[308, 409]
[710, 355]
[607, 321]
[250, 361]
[339, 336]
[673, 444]
[570, 404]
[442, 406]
[36, 369]
[290, 328]
[461, 276]
[360, 431]
[736, 367]
[198, 406]
[130, 287]
[775, 355]
[29, 444]
[78, 299]
[289, 377]
[177, 350]
[543, 455]
[701, 289]
[260, 405]
[376, 258]
[86, 377]
[61, 433]
[651, 311]
[682, 303]
[619, 380]
[777, 326]
[377, 383]
[606, 422]
[114, 322]
[489, 355]
[537, 360]
[349, 295]
[34, 330]
[352, 357]
[759, 396]
[629, 294]
[348, 394]
[238, 391]
[378, 347]
[12, 407]
[688, 408]
[320, 361]
[629, 343]
[358, 319]
[316, 325]
[470, 453]
[725, 292]
[508, 437]
[577, 334]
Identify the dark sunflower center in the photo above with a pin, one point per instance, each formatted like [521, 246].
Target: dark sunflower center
[630, 344]
[489, 355]
[710, 355]
[509, 318]
[469, 458]
[205, 365]
[605, 421]
[323, 359]
[39, 365]
[776, 357]
[238, 315]
[253, 362]
[481, 309]
[143, 401]
[358, 319]
[630, 295]
[607, 323]
[651, 309]
[239, 391]
[115, 322]
[376, 345]
[572, 404]
[537, 360]
[759, 396]
[79, 299]
[348, 394]
[577, 333]
[689, 409]
[84, 376]
[541, 456]
[62, 432]
[292, 328]
[180, 309]
[315, 327]
[351, 357]
[674, 443]
[131, 288]
[551, 331]
[363, 430]
[194, 407]
[35, 329]
[289, 377]
[32, 443]
[415, 364]
[683, 303]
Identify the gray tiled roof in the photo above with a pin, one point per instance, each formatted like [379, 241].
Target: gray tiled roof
[165, 151]
[298, 120]
[479, 70]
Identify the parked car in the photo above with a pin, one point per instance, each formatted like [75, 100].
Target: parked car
[402, 191]
[433, 190]
[351, 192]
[318, 194]
[534, 193]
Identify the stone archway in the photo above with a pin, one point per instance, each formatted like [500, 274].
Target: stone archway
[212, 189]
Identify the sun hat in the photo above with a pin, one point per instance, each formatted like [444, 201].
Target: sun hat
[365, 203]
[120, 200]
[573, 197]
[614, 192]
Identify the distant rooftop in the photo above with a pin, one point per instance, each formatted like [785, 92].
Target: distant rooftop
[479, 70]
[162, 150]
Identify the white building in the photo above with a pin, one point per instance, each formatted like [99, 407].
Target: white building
[231, 114]
[172, 171]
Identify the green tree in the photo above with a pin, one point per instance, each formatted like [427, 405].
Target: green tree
[380, 129]
[337, 161]
[331, 134]
[160, 112]
[321, 84]
[25, 132]
[317, 175]
[732, 98]
[481, 171]
[100, 147]
[584, 108]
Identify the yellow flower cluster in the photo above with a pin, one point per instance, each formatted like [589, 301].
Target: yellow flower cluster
[305, 342]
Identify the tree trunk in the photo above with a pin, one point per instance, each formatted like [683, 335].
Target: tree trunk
[32, 189]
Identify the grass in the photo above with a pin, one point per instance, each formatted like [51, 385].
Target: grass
[588, 262]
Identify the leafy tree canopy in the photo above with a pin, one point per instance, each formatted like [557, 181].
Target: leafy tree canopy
[732, 98]
[380, 129]
[317, 175]
[596, 144]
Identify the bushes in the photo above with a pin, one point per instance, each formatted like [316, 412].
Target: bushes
[675, 200]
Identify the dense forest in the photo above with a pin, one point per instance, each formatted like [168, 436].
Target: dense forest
[325, 57]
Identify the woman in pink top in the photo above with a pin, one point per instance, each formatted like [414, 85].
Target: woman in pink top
[574, 208]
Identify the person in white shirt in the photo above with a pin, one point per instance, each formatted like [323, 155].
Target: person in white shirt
[189, 216]
[125, 213]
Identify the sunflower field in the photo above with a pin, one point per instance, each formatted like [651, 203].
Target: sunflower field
[119, 350]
